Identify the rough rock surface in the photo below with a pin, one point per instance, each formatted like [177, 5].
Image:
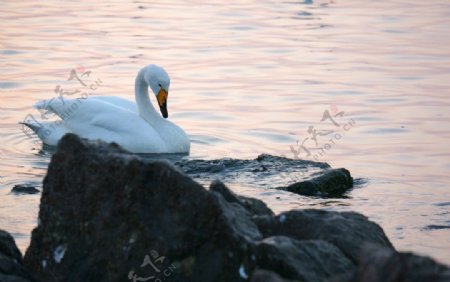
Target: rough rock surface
[262, 275]
[348, 231]
[11, 267]
[330, 183]
[308, 260]
[106, 215]
[384, 265]
[254, 206]
[266, 171]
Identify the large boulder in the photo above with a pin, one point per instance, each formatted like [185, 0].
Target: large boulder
[11, 267]
[348, 231]
[109, 216]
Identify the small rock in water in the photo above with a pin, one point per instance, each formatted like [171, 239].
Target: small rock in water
[330, 183]
[24, 189]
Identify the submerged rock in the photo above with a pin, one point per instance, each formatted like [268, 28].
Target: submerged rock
[11, 267]
[302, 177]
[265, 171]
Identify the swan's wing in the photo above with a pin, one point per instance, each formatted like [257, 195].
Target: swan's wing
[61, 105]
[101, 119]
[117, 101]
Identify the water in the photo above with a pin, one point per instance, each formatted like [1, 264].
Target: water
[251, 78]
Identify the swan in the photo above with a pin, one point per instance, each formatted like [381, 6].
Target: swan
[137, 127]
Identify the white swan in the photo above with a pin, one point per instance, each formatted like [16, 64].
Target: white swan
[137, 127]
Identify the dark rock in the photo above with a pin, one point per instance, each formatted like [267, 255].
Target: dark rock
[330, 183]
[262, 275]
[384, 265]
[222, 189]
[265, 171]
[312, 260]
[254, 206]
[105, 215]
[11, 268]
[8, 246]
[24, 189]
[346, 230]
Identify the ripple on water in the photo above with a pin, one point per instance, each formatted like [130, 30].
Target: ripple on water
[384, 131]
[265, 67]
[9, 85]
[9, 52]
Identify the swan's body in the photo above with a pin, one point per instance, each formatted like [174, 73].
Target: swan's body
[137, 127]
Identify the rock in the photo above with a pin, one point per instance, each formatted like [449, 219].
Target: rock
[384, 265]
[254, 206]
[265, 171]
[8, 246]
[348, 231]
[107, 216]
[330, 183]
[11, 268]
[261, 275]
[311, 260]
[24, 189]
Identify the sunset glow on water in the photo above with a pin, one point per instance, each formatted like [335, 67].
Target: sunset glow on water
[253, 77]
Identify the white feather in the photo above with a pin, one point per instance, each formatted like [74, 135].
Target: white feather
[137, 127]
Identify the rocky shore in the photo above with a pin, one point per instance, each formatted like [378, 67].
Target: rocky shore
[106, 215]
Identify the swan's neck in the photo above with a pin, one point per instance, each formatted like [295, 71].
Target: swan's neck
[144, 105]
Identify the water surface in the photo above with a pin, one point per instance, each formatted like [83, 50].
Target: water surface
[252, 77]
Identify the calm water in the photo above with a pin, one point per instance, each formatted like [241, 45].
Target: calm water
[251, 78]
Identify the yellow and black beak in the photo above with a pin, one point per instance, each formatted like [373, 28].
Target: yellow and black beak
[162, 101]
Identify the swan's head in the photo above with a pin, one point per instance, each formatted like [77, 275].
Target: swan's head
[158, 80]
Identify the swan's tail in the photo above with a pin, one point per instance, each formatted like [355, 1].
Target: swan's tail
[34, 125]
[48, 132]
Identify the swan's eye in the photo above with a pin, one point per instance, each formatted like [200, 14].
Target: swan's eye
[160, 85]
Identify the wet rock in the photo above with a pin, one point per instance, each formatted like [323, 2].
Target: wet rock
[11, 268]
[384, 265]
[330, 183]
[254, 206]
[107, 216]
[262, 275]
[265, 171]
[309, 260]
[24, 189]
[348, 231]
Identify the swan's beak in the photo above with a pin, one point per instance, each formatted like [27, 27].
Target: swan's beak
[162, 101]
